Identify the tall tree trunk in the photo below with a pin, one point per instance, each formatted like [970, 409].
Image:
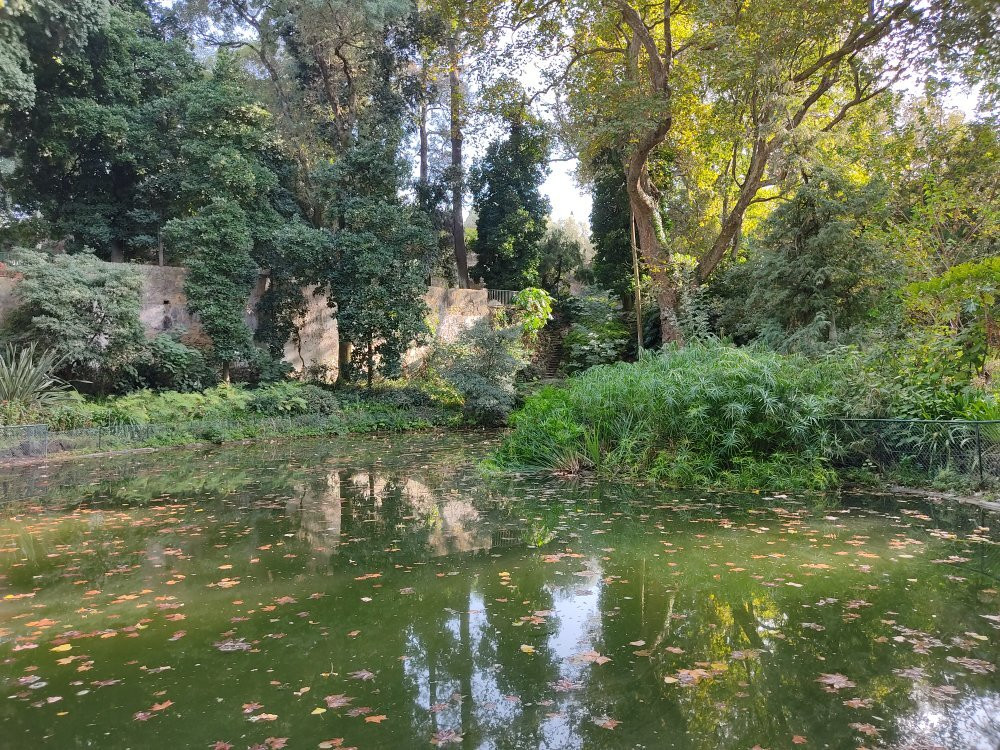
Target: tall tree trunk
[345, 350]
[644, 201]
[371, 362]
[425, 171]
[458, 173]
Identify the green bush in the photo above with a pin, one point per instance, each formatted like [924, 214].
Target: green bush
[173, 366]
[92, 323]
[482, 368]
[280, 399]
[29, 391]
[707, 414]
[597, 335]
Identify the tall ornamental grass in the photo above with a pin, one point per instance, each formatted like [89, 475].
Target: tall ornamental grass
[704, 415]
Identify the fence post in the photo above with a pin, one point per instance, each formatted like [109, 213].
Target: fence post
[979, 453]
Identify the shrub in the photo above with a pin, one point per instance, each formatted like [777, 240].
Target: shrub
[28, 388]
[85, 311]
[532, 310]
[174, 366]
[597, 335]
[280, 399]
[482, 367]
[707, 414]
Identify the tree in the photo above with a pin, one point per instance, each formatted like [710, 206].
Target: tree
[610, 223]
[33, 33]
[512, 211]
[376, 271]
[562, 255]
[947, 207]
[96, 130]
[216, 243]
[736, 94]
[960, 307]
[817, 267]
[84, 310]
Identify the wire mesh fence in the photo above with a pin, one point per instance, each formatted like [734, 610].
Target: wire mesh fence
[23, 441]
[37, 441]
[922, 449]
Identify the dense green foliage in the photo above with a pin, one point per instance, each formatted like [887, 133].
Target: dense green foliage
[29, 388]
[702, 415]
[86, 312]
[232, 412]
[511, 209]
[482, 367]
[217, 243]
[597, 335]
[609, 222]
[561, 259]
[378, 261]
[171, 365]
[814, 269]
[783, 191]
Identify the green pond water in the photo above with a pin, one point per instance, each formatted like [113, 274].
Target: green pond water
[380, 593]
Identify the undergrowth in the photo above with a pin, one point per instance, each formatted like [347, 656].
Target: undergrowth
[704, 415]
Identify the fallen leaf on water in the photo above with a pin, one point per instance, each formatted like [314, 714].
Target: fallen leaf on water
[833, 682]
[859, 703]
[527, 649]
[606, 722]
[592, 656]
[445, 737]
[378, 719]
[868, 729]
[63, 647]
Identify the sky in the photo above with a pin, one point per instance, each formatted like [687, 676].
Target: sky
[565, 195]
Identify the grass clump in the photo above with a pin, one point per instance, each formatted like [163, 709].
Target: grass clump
[705, 415]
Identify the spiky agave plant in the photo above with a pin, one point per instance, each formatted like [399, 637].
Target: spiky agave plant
[28, 385]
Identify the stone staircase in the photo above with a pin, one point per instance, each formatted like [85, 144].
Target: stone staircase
[550, 351]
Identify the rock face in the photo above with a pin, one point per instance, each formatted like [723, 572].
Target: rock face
[315, 344]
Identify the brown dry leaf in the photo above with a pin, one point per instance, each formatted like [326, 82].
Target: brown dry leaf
[834, 682]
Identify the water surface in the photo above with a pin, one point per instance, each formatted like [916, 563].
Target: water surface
[379, 593]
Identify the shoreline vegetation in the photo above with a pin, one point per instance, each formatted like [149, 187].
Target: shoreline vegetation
[712, 415]
[708, 415]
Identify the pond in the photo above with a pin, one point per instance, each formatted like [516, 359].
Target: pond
[381, 593]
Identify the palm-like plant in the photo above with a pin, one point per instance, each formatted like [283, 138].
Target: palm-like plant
[28, 386]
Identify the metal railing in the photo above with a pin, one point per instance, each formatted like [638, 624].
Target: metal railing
[10, 260]
[916, 449]
[504, 296]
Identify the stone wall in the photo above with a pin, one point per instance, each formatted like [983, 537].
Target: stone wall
[315, 347]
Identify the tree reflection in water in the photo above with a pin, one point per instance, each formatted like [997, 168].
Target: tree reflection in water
[524, 613]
